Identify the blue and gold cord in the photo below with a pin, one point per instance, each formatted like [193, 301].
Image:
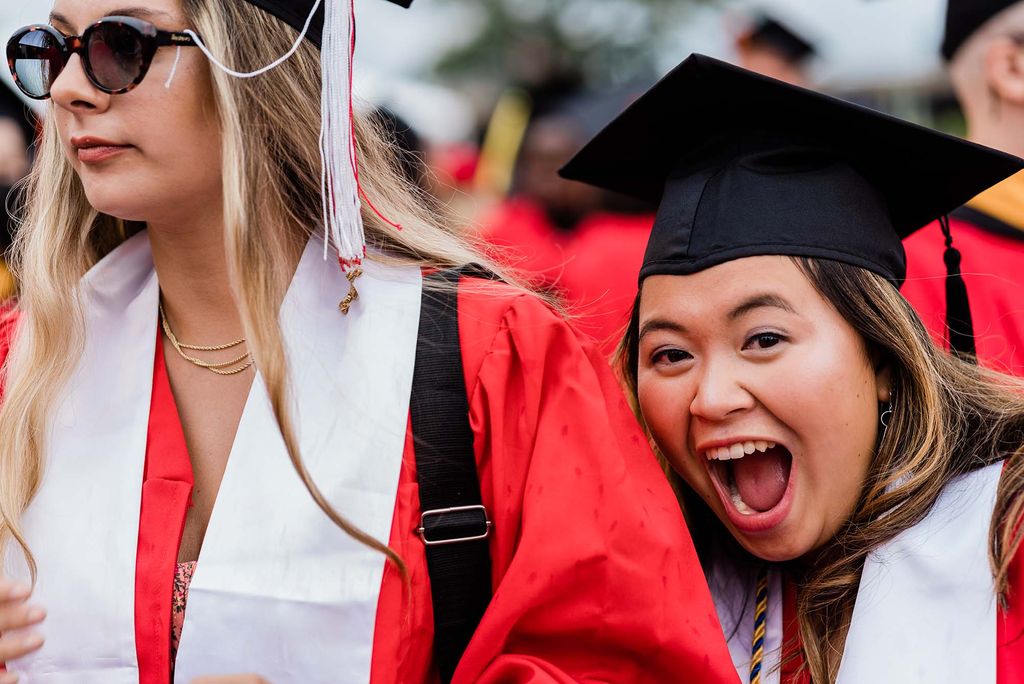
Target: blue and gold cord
[760, 623]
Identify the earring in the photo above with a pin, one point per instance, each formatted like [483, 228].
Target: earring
[886, 417]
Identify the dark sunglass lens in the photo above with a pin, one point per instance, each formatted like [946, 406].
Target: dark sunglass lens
[115, 55]
[37, 59]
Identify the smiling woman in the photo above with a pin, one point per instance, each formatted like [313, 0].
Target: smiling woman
[740, 352]
[224, 453]
[853, 489]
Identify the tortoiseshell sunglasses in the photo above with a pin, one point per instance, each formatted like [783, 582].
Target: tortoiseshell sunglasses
[116, 53]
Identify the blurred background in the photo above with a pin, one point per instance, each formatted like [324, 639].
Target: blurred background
[490, 97]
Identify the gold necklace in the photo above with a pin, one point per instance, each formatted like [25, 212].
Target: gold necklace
[226, 368]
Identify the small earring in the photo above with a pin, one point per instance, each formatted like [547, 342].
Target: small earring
[886, 417]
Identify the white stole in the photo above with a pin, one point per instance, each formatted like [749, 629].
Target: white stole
[925, 608]
[278, 590]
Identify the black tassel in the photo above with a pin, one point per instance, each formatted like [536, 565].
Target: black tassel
[958, 308]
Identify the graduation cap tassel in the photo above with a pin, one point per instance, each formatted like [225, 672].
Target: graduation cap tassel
[343, 221]
[958, 308]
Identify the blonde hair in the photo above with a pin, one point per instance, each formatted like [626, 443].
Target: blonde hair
[950, 417]
[272, 202]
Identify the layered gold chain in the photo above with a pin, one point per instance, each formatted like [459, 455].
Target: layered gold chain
[232, 367]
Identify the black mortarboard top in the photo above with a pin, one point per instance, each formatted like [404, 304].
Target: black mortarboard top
[295, 12]
[964, 17]
[745, 165]
[772, 33]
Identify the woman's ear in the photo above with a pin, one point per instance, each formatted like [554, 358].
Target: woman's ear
[883, 382]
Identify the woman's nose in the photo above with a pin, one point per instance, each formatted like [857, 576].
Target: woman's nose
[72, 90]
[720, 393]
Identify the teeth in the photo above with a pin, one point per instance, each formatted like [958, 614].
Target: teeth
[738, 450]
[738, 501]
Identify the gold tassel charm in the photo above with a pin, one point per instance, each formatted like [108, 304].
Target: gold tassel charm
[353, 293]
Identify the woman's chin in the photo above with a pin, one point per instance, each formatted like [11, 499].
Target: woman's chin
[780, 545]
[117, 204]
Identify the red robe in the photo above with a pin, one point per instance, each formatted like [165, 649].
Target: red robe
[600, 281]
[595, 577]
[595, 267]
[989, 234]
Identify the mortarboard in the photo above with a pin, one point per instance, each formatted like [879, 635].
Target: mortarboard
[295, 12]
[964, 17]
[745, 165]
[774, 34]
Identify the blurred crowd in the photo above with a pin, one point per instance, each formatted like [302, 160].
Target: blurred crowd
[586, 245]
[17, 131]
[500, 182]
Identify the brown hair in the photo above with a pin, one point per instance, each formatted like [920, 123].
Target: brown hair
[950, 417]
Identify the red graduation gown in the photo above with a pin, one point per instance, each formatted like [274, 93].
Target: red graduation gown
[992, 245]
[595, 266]
[600, 280]
[524, 239]
[595, 577]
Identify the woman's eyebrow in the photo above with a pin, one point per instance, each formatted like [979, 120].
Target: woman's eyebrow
[657, 324]
[137, 12]
[760, 301]
[56, 18]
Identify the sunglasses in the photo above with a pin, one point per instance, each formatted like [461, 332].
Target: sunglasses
[116, 54]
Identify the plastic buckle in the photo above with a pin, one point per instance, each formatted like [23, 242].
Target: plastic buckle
[422, 531]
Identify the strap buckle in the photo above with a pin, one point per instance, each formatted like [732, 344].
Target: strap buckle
[470, 527]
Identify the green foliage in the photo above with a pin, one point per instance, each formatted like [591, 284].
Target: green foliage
[530, 41]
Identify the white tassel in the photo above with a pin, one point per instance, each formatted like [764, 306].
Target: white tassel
[342, 207]
[343, 223]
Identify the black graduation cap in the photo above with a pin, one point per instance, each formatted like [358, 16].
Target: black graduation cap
[772, 33]
[745, 165]
[295, 12]
[964, 17]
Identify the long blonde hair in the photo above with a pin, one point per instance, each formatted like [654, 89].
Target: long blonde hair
[272, 202]
[950, 417]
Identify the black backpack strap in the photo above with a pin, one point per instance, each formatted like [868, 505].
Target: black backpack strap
[455, 525]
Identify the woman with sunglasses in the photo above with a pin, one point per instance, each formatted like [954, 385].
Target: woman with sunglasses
[178, 309]
[856, 494]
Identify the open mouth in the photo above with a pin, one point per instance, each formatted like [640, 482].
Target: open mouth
[754, 481]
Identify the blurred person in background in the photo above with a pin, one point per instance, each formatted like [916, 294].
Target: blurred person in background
[584, 243]
[772, 47]
[407, 142]
[984, 48]
[16, 133]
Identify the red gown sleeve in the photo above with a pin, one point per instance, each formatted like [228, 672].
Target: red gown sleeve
[594, 574]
